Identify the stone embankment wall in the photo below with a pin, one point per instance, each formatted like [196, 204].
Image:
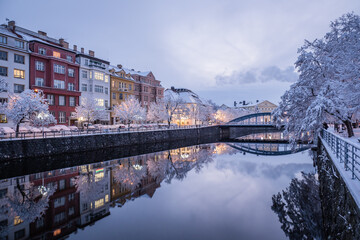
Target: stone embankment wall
[341, 215]
[30, 148]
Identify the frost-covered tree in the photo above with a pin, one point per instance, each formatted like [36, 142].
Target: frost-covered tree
[129, 111]
[228, 114]
[43, 119]
[157, 112]
[26, 105]
[328, 84]
[172, 105]
[299, 208]
[130, 176]
[89, 111]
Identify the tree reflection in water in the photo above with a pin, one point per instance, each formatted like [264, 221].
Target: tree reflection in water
[299, 208]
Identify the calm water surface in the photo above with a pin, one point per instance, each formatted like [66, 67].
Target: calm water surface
[202, 192]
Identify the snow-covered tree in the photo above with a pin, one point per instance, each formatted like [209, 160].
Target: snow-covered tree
[157, 112]
[130, 110]
[228, 114]
[26, 105]
[89, 111]
[43, 119]
[172, 105]
[129, 176]
[328, 84]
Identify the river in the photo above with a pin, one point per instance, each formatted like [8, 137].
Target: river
[211, 191]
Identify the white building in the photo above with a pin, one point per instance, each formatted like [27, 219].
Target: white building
[14, 65]
[94, 80]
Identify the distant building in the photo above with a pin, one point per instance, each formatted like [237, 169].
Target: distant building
[147, 88]
[54, 71]
[94, 80]
[264, 106]
[122, 86]
[14, 64]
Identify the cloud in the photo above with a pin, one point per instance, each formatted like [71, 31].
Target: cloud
[271, 73]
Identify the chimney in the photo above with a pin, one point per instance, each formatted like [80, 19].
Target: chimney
[243, 103]
[63, 43]
[257, 101]
[75, 48]
[172, 88]
[119, 66]
[11, 24]
[92, 53]
[82, 50]
[42, 33]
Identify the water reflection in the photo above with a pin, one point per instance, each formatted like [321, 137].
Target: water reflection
[265, 136]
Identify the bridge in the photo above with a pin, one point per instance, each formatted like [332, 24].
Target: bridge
[266, 149]
[255, 119]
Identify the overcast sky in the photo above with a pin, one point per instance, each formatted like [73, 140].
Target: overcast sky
[223, 50]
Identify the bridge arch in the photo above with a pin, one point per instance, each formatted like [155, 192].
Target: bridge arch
[268, 149]
[263, 118]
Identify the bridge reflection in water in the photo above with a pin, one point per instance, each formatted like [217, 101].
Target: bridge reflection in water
[268, 148]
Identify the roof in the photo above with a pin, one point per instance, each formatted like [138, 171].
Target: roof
[91, 57]
[133, 72]
[117, 69]
[186, 95]
[4, 30]
[265, 102]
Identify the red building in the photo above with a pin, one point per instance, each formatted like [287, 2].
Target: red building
[54, 71]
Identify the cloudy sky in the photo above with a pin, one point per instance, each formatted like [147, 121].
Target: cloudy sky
[223, 50]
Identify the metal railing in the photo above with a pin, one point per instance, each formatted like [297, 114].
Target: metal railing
[81, 132]
[346, 152]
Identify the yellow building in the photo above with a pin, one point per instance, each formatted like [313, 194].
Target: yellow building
[264, 106]
[121, 86]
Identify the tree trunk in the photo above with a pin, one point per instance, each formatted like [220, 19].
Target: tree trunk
[349, 128]
[17, 129]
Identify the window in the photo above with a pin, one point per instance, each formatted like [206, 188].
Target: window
[19, 88]
[42, 51]
[71, 72]
[19, 73]
[59, 69]
[62, 100]
[99, 89]
[3, 71]
[39, 66]
[62, 117]
[113, 83]
[3, 193]
[84, 74]
[71, 211]
[58, 202]
[19, 58]
[51, 99]
[106, 90]
[39, 82]
[19, 234]
[99, 76]
[62, 181]
[146, 98]
[3, 39]
[100, 102]
[90, 87]
[130, 86]
[71, 197]
[90, 74]
[72, 101]
[120, 96]
[84, 87]
[59, 217]
[59, 84]
[106, 78]
[106, 103]
[69, 58]
[71, 87]
[17, 220]
[114, 95]
[19, 44]
[85, 206]
[87, 62]
[56, 54]
[3, 55]
[99, 203]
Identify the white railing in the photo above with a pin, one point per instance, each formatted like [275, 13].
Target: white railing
[346, 152]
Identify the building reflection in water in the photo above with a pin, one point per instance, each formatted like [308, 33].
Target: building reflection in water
[53, 204]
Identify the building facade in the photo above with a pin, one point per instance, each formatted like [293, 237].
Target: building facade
[122, 86]
[14, 65]
[54, 71]
[147, 89]
[263, 106]
[94, 81]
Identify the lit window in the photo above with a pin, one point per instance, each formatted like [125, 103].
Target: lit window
[3, 119]
[99, 203]
[106, 78]
[19, 73]
[17, 220]
[56, 54]
[39, 66]
[39, 82]
[106, 197]
[99, 76]
[59, 84]
[3, 39]
[57, 232]
[100, 102]
[99, 175]
[90, 74]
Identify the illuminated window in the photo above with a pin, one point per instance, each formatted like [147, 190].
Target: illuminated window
[19, 73]
[57, 232]
[56, 54]
[99, 175]
[90, 75]
[99, 76]
[113, 83]
[106, 78]
[106, 197]
[17, 220]
[3, 119]
[99, 203]
[100, 102]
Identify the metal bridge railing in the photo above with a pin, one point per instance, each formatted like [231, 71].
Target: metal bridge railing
[347, 153]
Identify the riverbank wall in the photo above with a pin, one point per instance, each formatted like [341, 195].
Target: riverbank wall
[33, 148]
[341, 215]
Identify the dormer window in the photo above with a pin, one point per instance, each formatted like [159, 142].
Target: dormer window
[42, 51]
